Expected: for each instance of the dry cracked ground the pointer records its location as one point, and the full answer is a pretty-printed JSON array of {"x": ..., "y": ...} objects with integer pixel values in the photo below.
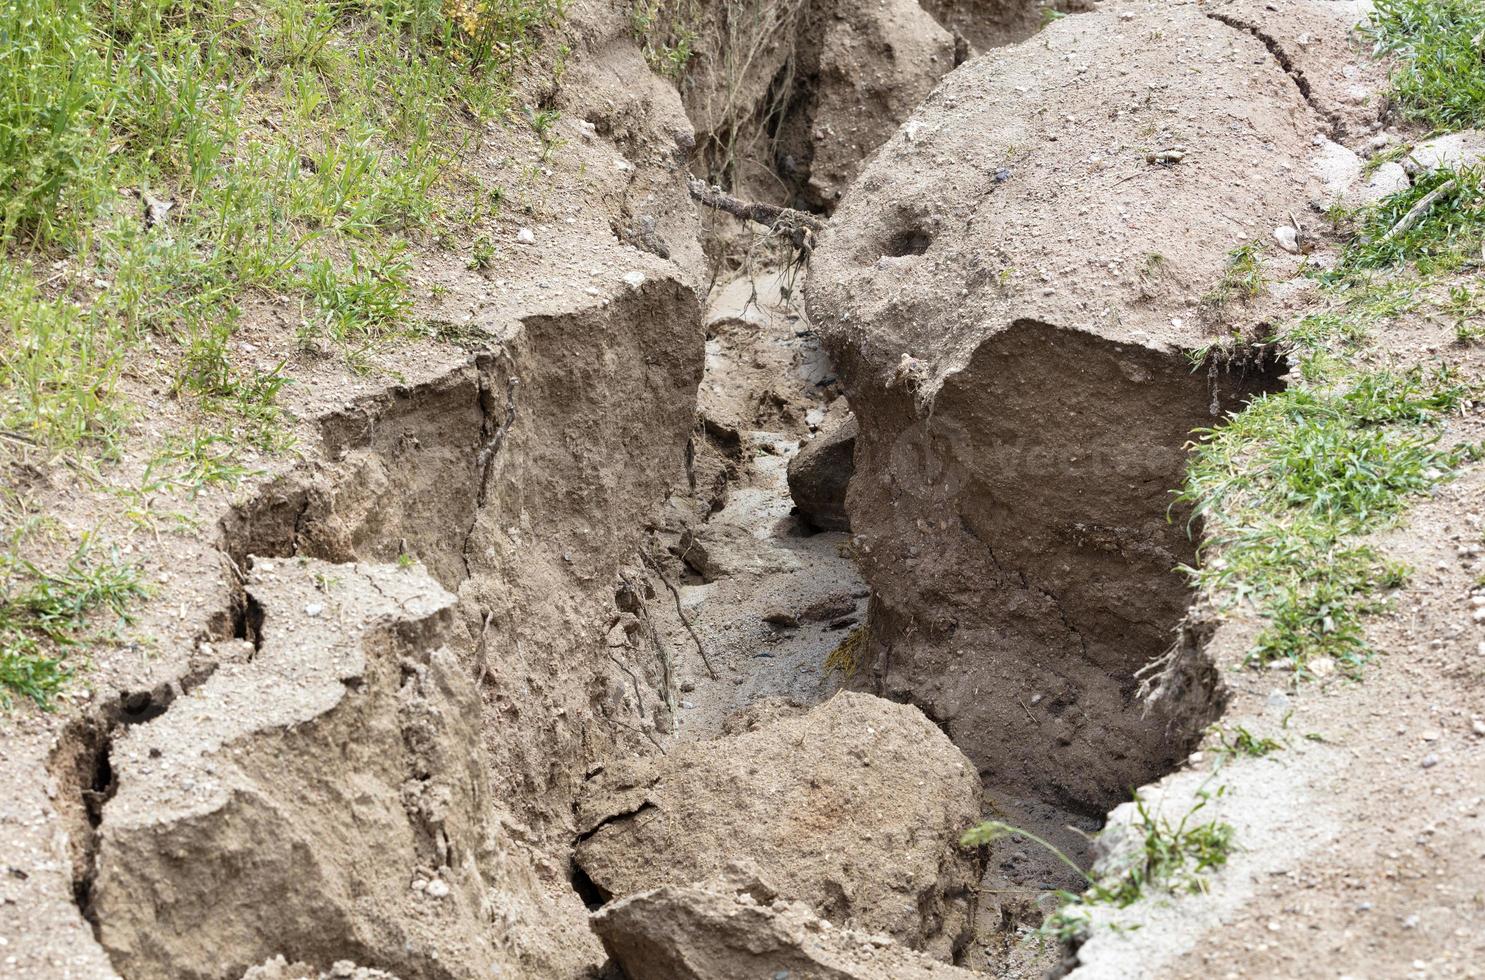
[{"x": 777, "y": 489}]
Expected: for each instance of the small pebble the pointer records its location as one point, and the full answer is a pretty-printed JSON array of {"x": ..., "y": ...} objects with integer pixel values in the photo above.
[
  {"x": 313, "y": 609},
  {"x": 438, "y": 888},
  {"x": 1430, "y": 760},
  {"x": 526, "y": 237}
]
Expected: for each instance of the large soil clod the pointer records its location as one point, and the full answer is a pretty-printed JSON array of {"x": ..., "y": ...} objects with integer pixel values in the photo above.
[
  {"x": 1017, "y": 352},
  {"x": 736, "y": 925},
  {"x": 319, "y": 798},
  {"x": 821, "y": 471},
  {"x": 854, "y": 807}
]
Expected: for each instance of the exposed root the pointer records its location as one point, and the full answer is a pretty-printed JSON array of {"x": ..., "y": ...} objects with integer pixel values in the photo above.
[
  {"x": 798, "y": 226},
  {"x": 686, "y": 622}
]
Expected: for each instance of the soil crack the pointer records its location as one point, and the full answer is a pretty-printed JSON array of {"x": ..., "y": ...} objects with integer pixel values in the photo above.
[{"x": 1287, "y": 63}]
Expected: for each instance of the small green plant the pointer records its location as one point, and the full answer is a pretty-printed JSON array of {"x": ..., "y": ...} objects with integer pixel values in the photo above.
[
  {"x": 1442, "y": 77},
  {"x": 406, "y": 561},
  {"x": 666, "y": 31},
  {"x": 544, "y": 124},
  {"x": 43, "y": 614},
  {"x": 482, "y": 255},
  {"x": 1240, "y": 741},
  {"x": 365, "y": 299},
  {"x": 194, "y": 461},
  {"x": 1171, "y": 856},
  {"x": 1167, "y": 856},
  {"x": 1242, "y": 279}
]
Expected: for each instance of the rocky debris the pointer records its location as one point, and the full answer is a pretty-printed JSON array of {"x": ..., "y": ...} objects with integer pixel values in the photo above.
[
  {"x": 1347, "y": 182},
  {"x": 862, "y": 67},
  {"x": 820, "y": 472},
  {"x": 296, "y": 801},
  {"x": 716, "y": 452},
  {"x": 734, "y": 925},
  {"x": 854, "y": 808},
  {"x": 1011, "y": 496},
  {"x": 280, "y": 968},
  {"x": 718, "y": 550},
  {"x": 1451, "y": 151}
]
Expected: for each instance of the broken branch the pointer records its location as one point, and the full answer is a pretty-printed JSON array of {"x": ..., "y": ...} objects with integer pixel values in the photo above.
[{"x": 1417, "y": 211}]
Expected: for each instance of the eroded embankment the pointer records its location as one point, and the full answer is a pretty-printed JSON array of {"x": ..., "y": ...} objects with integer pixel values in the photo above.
[
  {"x": 369, "y": 766},
  {"x": 1018, "y": 446},
  {"x": 440, "y": 630}
]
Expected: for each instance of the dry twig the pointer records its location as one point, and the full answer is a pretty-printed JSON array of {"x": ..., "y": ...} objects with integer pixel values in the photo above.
[{"x": 1417, "y": 211}]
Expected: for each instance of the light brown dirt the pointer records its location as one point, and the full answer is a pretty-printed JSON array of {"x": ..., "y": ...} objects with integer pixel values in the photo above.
[
  {"x": 321, "y": 796},
  {"x": 304, "y": 760},
  {"x": 854, "y": 808},
  {"x": 735, "y": 925}
]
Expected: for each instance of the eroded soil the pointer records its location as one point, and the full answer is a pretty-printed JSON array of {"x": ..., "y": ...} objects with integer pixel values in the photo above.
[{"x": 532, "y": 628}]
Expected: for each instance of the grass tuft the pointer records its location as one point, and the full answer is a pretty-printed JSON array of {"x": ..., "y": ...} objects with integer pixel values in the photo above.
[
  {"x": 1442, "y": 79},
  {"x": 1168, "y": 857},
  {"x": 846, "y": 657},
  {"x": 44, "y": 614},
  {"x": 1242, "y": 279}
]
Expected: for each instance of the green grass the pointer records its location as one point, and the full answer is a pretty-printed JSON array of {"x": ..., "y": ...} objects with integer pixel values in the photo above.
[
  {"x": 1447, "y": 236},
  {"x": 667, "y": 33},
  {"x": 1287, "y": 488},
  {"x": 167, "y": 166},
  {"x": 1442, "y": 79},
  {"x": 1242, "y": 278},
  {"x": 1240, "y": 741},
  {"x": 45, "y": 614},
  {"x": 293, "y": 139}
]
